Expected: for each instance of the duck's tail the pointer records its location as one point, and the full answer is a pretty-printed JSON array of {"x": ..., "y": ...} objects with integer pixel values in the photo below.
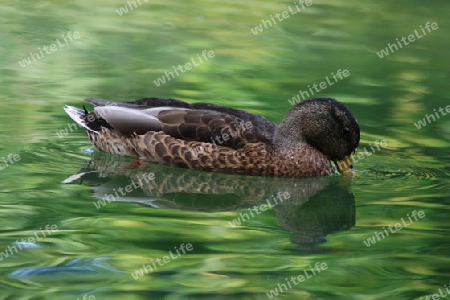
[{"x": 78, "y": 115}]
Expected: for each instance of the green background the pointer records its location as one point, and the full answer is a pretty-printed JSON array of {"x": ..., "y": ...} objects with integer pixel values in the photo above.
[{"x": 326, "y": 220}]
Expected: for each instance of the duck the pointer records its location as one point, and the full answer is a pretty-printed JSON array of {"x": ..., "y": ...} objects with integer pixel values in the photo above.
[{"x": 210, "y": 137}]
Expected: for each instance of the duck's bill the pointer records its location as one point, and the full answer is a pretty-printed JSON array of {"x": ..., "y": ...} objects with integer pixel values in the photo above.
[{"x": 345, "y": 166}]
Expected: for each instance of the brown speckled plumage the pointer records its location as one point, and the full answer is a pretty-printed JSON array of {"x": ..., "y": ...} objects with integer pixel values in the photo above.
[{"x": 186, "y": 135}]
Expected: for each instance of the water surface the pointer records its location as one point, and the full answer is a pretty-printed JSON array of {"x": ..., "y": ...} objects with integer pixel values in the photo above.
[{"x": 52, "y": 176}]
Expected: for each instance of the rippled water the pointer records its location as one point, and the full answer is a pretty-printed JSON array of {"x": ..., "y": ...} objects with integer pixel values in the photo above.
[{"x": 138, "y": 246}]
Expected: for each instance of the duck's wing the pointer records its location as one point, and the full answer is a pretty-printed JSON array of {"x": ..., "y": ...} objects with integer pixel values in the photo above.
[
  {"x": 178, "y": 121},
  {"x": 209, "y": 127},
  {"x": 202, "y": 122},
  {"x": 265, "y": 127}
]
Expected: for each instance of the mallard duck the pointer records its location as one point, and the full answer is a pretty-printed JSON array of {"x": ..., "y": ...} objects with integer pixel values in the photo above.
[{"x": 210, "y": 137}]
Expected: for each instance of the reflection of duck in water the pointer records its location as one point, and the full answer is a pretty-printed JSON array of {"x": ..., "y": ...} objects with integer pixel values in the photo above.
[
  {"x": 311, "y": 208},
  {"x": 329, "y": 211},
  {"x": 176, "y": 133}
]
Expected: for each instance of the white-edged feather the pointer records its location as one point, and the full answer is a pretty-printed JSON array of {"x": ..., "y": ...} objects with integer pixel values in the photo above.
[
  {"x": 129, "y": 120},
  {"x": 77, "y": 115},
  {"x": 74, "y": 177},
  {"x": 154, "y": 111}
]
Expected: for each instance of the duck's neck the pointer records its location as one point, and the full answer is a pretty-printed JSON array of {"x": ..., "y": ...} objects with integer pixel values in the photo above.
[{"x": 288, "y": 134}]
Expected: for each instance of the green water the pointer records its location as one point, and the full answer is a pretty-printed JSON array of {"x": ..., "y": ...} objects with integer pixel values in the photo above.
[{"x": 94, "y": 252}]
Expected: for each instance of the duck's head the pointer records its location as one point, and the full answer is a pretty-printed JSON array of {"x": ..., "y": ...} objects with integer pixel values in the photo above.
[{"x": 325, "y": 124}]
